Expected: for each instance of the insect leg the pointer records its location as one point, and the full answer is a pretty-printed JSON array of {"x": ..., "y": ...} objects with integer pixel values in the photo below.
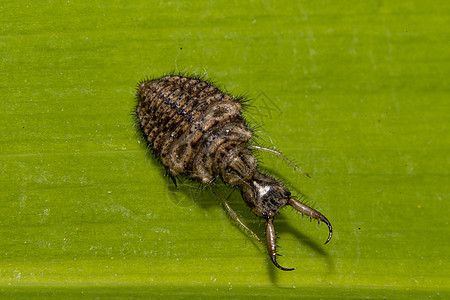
[
  {"x": 232, "y": 213},
  {"x": 312, "y": 213},
  {"x": 274, "y": 152},
  {"x": 272, "y": 244},
  {"x": 171, "y": 176}
]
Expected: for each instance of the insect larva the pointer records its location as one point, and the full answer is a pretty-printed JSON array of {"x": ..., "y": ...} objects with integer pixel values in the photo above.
[{"x": 198, "y": 131}]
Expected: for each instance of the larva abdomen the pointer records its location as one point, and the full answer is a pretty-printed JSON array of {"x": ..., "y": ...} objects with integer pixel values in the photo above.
[{"x": 182, "y": 119}]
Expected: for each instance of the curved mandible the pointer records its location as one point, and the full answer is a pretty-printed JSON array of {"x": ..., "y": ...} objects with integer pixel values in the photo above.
[
  {"x": 312, "y": 213},
  {"x": 272, "y": 244}
]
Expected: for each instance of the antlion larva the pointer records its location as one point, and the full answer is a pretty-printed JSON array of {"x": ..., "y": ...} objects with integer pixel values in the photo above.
[{"x": 198, "y": 131}]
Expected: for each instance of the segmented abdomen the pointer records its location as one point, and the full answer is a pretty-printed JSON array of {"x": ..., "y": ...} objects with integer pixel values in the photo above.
[{"x": 191, "y": 125}]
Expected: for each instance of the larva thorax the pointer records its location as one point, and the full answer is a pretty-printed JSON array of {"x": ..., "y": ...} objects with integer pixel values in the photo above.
[{"x": 198, "y": 131}]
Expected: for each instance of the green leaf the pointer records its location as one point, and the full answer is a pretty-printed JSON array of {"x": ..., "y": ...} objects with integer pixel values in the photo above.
[{"x": 356, "y": 92}]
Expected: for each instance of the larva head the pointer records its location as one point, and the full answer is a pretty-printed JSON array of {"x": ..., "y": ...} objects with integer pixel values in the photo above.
[{"x": 266, "y": 196}]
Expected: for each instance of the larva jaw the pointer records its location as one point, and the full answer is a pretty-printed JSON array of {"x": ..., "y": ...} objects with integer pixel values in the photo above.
[
  {"x": 312, "y": 213},
  {"x": 272, "y": 244},
  {"x": 271, "y": 234}
]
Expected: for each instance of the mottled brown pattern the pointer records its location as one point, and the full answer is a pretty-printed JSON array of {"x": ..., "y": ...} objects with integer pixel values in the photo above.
[
  {"x": 191, "y": 125},
  {"x": 198, "y": 131}
]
